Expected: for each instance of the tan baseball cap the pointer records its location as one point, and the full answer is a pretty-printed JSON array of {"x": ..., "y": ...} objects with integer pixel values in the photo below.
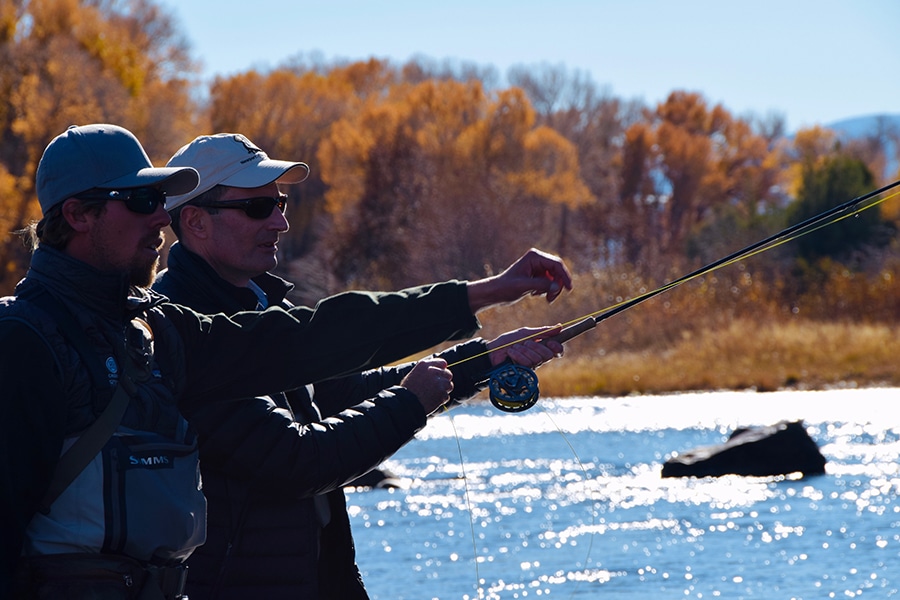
[{"x": 233, "y": 160}]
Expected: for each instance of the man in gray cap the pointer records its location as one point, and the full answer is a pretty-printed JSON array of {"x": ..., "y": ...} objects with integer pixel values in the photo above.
[
  {"x": 272, "y": 466},
  {"x": 99, "y": 481}
]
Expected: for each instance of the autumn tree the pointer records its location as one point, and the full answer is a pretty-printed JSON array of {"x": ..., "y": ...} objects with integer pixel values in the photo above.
[
  {"x": 638, "y": 201},
  {"x": 440, "y": 179},
  {"x": 287, "y": 113},
  {"x": 420, "y": 69},
  {"x": 68, "y": 62},
  {"x": 686, "y": 139},
  {"x": 687, "y": 163},
  {"x": 593, "y": 121}
]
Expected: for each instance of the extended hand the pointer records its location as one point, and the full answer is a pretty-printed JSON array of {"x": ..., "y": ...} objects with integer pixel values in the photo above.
[
  {"x": 431, "y": 381},
  {"x": 537, "y": 348},
  {"x": 536, "y": 273}
]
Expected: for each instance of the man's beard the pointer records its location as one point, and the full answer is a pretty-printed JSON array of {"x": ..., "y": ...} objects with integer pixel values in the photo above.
[
  {"x": 143, "y": 275},
  {"x": 140, "y": 274}
]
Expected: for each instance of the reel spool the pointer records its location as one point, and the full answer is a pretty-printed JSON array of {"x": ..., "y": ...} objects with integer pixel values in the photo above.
[{"x": 513, "y": 388}]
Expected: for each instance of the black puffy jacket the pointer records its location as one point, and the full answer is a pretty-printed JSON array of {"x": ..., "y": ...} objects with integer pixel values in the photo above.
[
  {"x": 264, "y": 460},
  {"x": 202, "y": 360}
]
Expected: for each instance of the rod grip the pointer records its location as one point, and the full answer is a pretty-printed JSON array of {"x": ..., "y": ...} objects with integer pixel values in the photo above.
[{"x": 578, "y": 328}]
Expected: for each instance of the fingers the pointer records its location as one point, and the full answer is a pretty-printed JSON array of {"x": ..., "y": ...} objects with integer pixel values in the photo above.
[
  {"x": 528, "y": 346},
  {"x": 553, "y": 291},
  {"x": 536, "y": 273},
  {"x": 431, "y": 381},
  {"x": 533, "y": 354},
  {"x": 524, "y": 333},
  {"x": 540, "y": 265},
  {"x": 555, "y": 347}
]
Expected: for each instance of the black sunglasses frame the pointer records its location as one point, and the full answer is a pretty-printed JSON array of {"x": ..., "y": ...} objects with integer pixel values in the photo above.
[
  {"x": 142, "y": 201},
  {"x": 258, "y": 207}
]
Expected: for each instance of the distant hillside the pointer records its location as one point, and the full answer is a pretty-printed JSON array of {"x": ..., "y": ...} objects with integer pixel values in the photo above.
[
  {"x": 887, "y": 125},
  {"x": 860, "y": 126}
]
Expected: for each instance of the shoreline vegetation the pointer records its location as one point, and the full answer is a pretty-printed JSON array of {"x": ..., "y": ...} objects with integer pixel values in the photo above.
[
  {"x": 747, "y": 355},
  {"x": 843, "y": 333},
  {"x": 424, "y": 172}
]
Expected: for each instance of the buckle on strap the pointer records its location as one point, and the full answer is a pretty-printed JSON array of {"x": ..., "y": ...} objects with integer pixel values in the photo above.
[
  {"x": 171, "y": 580},
  {"x": 148, "y": 582}
]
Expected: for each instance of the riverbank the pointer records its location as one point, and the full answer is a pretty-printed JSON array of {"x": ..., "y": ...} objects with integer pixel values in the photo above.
[{"x": 744, "y": 355}]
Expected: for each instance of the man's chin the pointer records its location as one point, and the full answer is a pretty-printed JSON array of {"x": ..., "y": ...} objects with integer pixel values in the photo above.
[{"x": 144, "y": 275}]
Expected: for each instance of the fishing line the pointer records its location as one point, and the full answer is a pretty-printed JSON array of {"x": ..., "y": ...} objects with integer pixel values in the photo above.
[
  {"x": 462, "y": 468},
  {"x": 590, "y": 495}
]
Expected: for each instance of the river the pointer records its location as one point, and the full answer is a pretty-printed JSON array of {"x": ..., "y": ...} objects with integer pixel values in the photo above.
[{"x": 566, "y": 501}]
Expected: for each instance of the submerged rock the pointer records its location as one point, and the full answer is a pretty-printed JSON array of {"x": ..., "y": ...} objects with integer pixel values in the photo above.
[
  {"x": 377, "y": 478},
  {"x": 778, "y": 449}
]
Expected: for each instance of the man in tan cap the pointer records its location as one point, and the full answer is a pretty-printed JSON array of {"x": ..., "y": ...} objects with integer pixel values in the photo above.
[
  {"x": 273, "y": 466},
  {"x": 99, "y": 485}
]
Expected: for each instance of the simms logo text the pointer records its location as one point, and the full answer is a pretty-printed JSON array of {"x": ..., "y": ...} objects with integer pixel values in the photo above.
[{"x": 150, "y": 462}]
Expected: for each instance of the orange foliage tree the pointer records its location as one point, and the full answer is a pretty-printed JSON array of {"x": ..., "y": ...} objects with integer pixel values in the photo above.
[
  {"x": 440, "y": 179},
  {"x": 68, "y": 62},
  {"x": 288, "y": 112},
  {"x": 593, "y": 121},
  {"x": 686, "y": 163}
]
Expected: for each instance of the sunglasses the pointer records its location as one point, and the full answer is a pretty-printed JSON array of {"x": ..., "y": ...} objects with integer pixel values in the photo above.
[
  {"x": 142, "y": 200},
  {"x": 259, "y": 207}
]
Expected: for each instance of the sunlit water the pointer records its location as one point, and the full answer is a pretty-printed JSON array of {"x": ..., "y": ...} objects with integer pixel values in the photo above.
[{"x": 585, "y": 514}]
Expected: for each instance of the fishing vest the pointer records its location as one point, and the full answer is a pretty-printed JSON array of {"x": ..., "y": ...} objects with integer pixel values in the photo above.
[{"x": 140, "y": 496}]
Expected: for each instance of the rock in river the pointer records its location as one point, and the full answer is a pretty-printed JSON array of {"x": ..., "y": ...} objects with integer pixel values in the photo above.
[{"x": 778, "y": 449}]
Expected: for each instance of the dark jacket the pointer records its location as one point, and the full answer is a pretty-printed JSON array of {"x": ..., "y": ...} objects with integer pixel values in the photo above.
[
  {"x": 198, "y": 360},
  {"x": 265, "y": 459}
]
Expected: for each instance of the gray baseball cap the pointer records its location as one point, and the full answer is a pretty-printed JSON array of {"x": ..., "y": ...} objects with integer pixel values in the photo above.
[
  {"x": 102, "y": 156},
  {"x": 233, "y": 160}
]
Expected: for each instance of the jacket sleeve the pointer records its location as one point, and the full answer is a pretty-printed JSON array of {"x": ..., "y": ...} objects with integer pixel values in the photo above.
[
  {"x": 468, "y": 361},
  {"x": 252, "y": 353},
  {"x": 368, "y": 418},
  {"x": 32, "y": 426},
  {"x": 254, "y": 440}
]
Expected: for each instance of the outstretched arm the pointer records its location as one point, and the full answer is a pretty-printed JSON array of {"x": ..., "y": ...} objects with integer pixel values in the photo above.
[
  {"x": 254, "y": 439},
  {"x": 471, "y": 363}
]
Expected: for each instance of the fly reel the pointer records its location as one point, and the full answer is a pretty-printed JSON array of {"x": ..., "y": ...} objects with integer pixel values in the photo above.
[{"x": 513, "y": 388}]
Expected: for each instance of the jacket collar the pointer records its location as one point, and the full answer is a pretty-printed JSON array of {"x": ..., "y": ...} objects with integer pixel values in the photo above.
[
  {"x": 79, "y": 284},
  {"x": 209, "y": 292}
]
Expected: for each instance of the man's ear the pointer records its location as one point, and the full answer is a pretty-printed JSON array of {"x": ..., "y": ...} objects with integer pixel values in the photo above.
[
  {"x": 75, "y": 213},
  {"x": 194, "y": 221}
]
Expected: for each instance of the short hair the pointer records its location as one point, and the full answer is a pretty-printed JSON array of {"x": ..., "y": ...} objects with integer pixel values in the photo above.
[
  {"x": 213, "y": 194},
  {"x": 53, "y": 229}
]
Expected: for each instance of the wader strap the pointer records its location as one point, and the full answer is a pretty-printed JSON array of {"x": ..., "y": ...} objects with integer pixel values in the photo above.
[{"x": 86, "y": 447}]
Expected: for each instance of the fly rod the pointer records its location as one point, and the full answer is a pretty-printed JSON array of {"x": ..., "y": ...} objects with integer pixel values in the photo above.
[{"x": 514, "y": 388}]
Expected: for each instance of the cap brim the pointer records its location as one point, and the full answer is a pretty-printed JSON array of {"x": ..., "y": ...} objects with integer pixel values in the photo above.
[
  {"x": 174, "y": 181},
  {"x": 266, "y": 171}
]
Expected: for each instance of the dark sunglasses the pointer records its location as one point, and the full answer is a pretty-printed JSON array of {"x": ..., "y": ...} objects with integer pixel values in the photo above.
[
  {"x": 259, "y": 207},
  {"x": 142, "y": 200}
]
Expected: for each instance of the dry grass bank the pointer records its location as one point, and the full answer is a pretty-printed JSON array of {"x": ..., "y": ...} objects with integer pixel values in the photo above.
[
  {"x": 736, "y": 329},
  {"x": 744, "y": 355}
]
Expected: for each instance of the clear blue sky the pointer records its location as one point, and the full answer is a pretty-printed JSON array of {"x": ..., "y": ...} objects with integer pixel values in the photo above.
[{"x": 811, "y": 61}]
